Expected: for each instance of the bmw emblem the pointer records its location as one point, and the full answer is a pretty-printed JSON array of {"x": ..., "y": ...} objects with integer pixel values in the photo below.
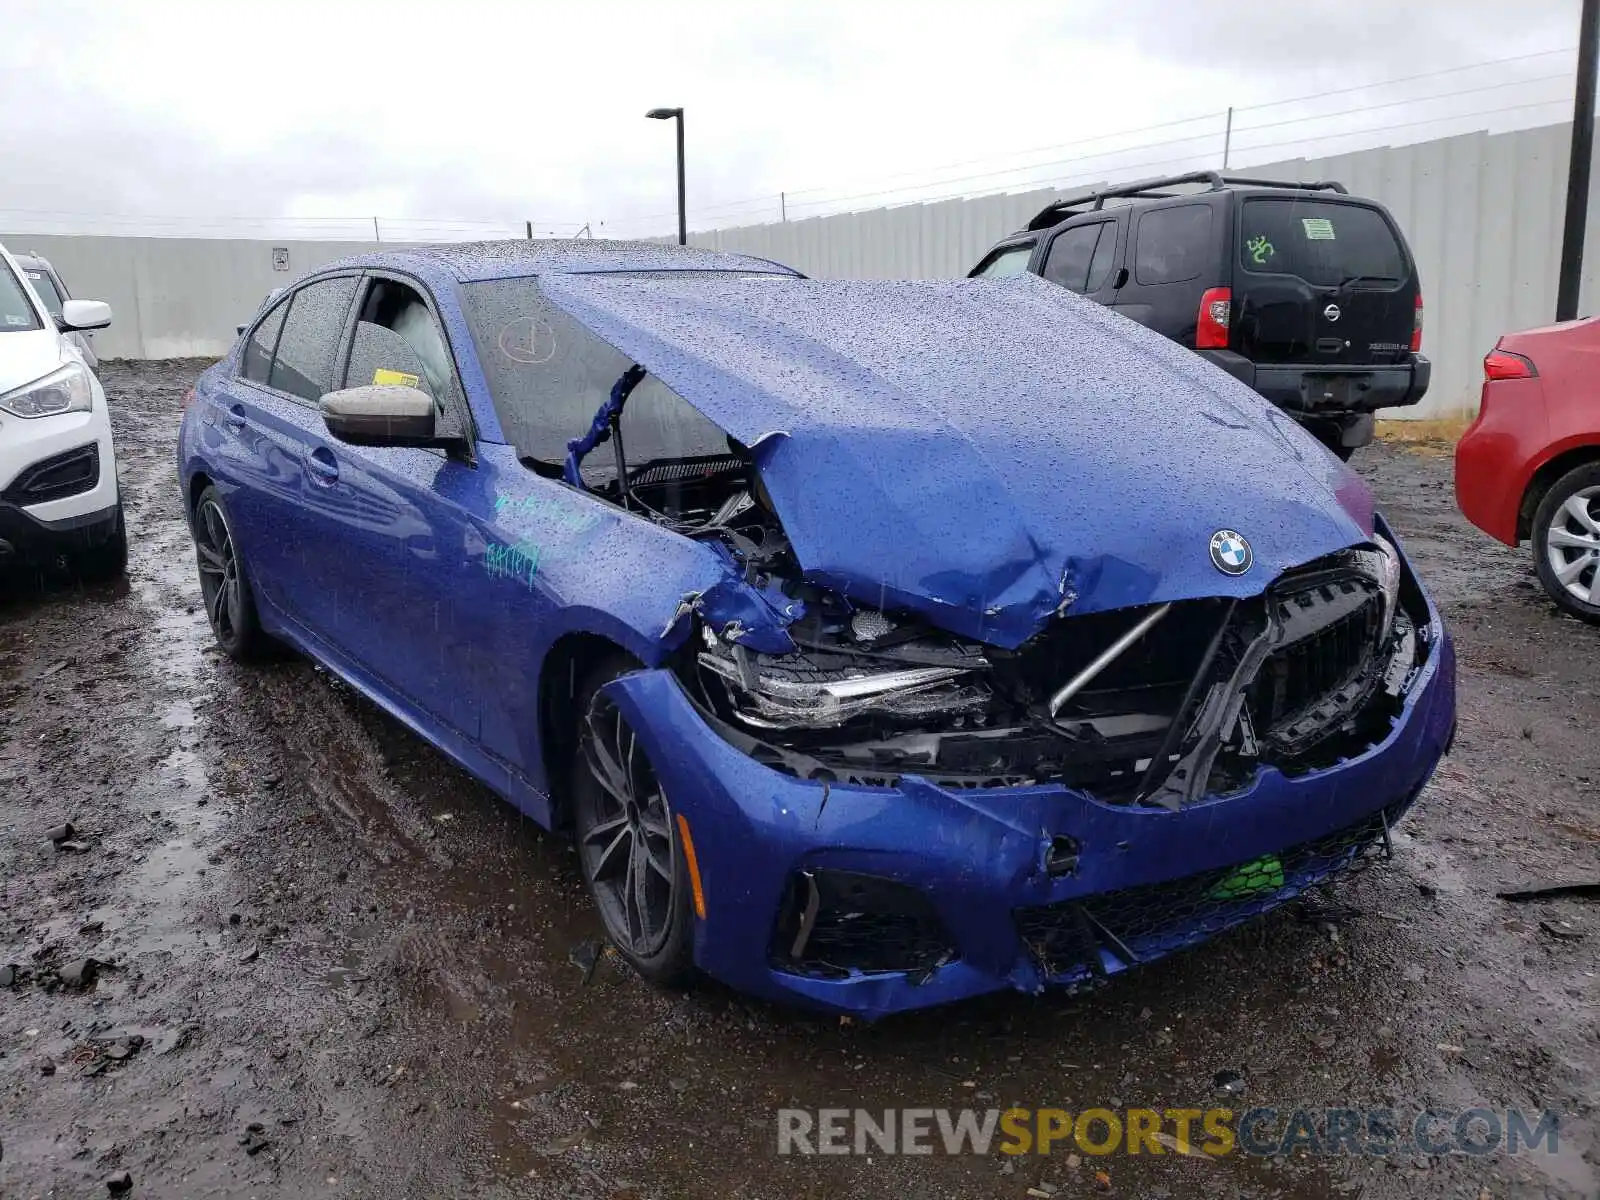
[{"x": 1230, "y": 553}]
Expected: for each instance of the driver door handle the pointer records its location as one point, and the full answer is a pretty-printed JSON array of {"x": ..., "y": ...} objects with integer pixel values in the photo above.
[{"x": 323, "y": 466}]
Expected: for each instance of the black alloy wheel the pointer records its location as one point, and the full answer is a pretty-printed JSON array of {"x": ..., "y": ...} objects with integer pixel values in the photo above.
[
  {"x": 628, "y": 844},
  {"x": 224, "y": 586}
]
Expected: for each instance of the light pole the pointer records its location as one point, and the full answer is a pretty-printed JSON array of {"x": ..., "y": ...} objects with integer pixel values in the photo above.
[
  {"x": 663, "y": 114},
  {"x": 1572, "y": 229}
]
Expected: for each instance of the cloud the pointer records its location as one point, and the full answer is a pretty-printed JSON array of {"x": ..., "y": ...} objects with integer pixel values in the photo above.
[{"x": 477, "y": 111}]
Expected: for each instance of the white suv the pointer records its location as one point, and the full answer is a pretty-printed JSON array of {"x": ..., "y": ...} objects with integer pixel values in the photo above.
[{"x": 58, "y": 472}]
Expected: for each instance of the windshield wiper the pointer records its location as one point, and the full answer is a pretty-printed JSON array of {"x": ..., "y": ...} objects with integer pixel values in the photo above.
[{"x": 1346, "y": 282}]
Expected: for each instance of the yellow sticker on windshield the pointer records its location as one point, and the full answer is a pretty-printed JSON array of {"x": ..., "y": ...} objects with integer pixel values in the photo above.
[{"x": 387, "y": 378}]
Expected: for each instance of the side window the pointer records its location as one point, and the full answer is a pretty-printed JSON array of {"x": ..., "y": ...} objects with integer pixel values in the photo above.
[
  {"x": 303, "y": 365},
  {"x": 1070, "y": 255},
  {"x": 1013, "y": 260},
  {"x": 1173, "y": 245},
  {"x": 1105, "y": 253},
  {"x": 263, "y": 344},
  {"x": 398, "y": 341}
]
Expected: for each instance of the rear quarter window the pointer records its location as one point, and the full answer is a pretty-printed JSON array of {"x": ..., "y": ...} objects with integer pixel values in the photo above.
[
  {"x": 46, "y": 287},
  {"x": 1013, "y": 260},
  {"x": 1324, "y": 242},
  {"x": 1173, "y": 244}
]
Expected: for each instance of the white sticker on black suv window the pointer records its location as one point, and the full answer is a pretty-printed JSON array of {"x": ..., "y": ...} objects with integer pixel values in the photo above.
[{"x": 1318, "y": 229}]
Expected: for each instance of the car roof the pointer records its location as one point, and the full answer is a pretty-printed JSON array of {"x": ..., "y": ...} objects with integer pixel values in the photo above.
[{"x": 470, "y": 262}]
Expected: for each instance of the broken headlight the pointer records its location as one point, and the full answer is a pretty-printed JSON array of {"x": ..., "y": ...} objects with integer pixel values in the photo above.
[
  {"x": 822, "y": 689},
  {"x": 1385, "y": 567}
]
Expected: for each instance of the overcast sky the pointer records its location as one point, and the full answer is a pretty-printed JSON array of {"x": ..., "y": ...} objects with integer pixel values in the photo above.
[{"x": 166, "y": 117}]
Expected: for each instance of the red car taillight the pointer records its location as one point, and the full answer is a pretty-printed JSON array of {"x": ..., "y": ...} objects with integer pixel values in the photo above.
[
  {"x": 1502, "y": 364},
  {"x": 1211, "y": 325},
  {"x": 1416, "y": 326}
]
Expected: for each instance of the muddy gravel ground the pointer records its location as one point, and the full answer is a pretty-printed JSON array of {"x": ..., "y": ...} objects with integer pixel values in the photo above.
[{"x": 333, "y": 965}]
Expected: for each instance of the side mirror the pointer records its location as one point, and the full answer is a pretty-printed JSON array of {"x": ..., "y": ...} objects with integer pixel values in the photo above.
[
  {"x": 1121, "y": 278},
  {"x": 383, "y": 415},
  {"x": 84, "y": 314}
]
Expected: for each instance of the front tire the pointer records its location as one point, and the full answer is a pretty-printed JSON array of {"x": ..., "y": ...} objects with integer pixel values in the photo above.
[
  {"x": 1566, "y": 542},
  {"x": 225, "y": 584},
  {"x": 627, "y": 839}
]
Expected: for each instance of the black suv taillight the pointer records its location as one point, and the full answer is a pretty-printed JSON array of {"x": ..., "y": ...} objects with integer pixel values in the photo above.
[{"x": 1211, "y": 323}]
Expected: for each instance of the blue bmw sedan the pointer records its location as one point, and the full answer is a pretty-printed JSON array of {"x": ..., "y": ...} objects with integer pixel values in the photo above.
[{"x": 878, "y": 643}]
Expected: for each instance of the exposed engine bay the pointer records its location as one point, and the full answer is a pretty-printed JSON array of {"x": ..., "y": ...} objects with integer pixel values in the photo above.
[{"x": 1161, "y": 704}]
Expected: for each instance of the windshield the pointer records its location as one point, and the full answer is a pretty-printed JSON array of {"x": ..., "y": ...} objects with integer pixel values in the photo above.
[
  {"x": 16, "y": 314},
  {"x": 46, "y": 287},
  {"x": 548, "y": 376},
  {"x": 1324, "y": 242}
]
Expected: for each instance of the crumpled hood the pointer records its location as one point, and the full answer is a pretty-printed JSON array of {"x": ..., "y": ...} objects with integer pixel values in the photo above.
[
  {"x": 26, "y": 355},
  {"x": 985, "y": 452}
]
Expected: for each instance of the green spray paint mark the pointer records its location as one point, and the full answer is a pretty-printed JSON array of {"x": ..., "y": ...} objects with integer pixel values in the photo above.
[
  {"x": 1261, "y": 250},
  {"x": 519, "y": 562},
  {"x": 1251, "y": 879},
  {"x": 546, "y": 510}
]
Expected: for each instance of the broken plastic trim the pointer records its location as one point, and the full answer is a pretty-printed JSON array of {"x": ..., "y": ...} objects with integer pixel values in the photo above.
[
  {"x": 604, "y": 425},
  {"x": 1106, "y": 657}
]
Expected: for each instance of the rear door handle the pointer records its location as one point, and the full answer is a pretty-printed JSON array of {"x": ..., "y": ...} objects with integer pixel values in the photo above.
[
  {"x": 235, "y": 419},
  {"x": 323, "y": 466}
]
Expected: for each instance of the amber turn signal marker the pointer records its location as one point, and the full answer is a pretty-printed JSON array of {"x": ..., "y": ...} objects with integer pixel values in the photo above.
[{"x": 694, "y": 868}]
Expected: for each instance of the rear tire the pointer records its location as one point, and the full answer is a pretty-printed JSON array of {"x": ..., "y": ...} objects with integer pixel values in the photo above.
[
  {"x": 627, "y": 838},
  {"x": 109, "y": 559},
  {"x": 1566, "y": 542},
  {"x": 225, "y": 583}
]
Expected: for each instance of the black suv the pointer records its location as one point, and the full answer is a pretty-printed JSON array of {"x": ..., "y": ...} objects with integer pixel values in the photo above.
[{"x": 1306, "y": 293}]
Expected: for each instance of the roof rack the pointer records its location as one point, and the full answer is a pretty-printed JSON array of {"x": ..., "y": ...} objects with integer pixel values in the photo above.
[{"x": 1148, "y": 189}]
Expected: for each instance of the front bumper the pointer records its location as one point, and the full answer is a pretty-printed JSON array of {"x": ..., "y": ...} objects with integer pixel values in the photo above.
[
  {"x": 980, "y": 856},
  {"x": 29, "y": 446},
  {"x": 25, "y": 538}
]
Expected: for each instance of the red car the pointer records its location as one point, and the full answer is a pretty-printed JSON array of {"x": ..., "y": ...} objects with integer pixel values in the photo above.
[{"x": 1529, "y": 466}]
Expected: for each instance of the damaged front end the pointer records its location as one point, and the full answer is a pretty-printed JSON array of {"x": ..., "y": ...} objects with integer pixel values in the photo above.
[
  {"x": 1159, "y": 704},
  {"x": 1162, "y": 704},
  {"x": 950, "y": 815},
  {"x": 1201, "y": 700}
]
